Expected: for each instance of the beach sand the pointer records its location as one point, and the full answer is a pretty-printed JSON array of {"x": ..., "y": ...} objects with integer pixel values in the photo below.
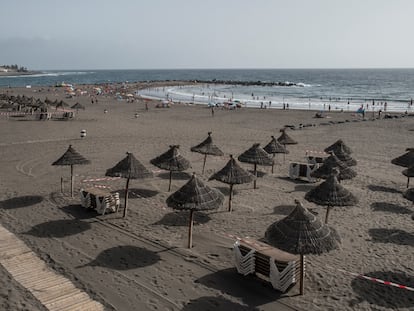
[{"x": 142, "y": 263}]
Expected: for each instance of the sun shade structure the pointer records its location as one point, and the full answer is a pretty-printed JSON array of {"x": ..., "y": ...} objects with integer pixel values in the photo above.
[
  {"x": 129, "y": 168},
  {"x": 406, "y": 160},
  {"x": 195, "y": 196},
  {"x": 330, "y": 193},
  {"x": 285, "y": 139},
  {"x": 171, "y": 161},
  {"x": 409, "y": 172},
  {"x": 207, "y": 147},
  {"x": 330, "y": 163},
  {"x": 274, "y": 147},
  {"x": 233, "y": 174},
  {"x": 257, "y": 156},
  {"x": 71, "y": 157},
  {"x": 78, "y": 106},
  {"x": 338, "y": 144},
  {"x": 344, "y": 156},
  {"x": 302, "y": 233}
]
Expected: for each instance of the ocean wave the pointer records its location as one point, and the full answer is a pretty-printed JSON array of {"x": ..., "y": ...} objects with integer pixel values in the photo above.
[{"x": 49, "y": 74}]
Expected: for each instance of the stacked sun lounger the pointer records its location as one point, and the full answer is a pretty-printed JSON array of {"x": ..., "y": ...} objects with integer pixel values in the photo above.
[
  {"x": 281, "y": 269},
  {"x": 302, "y": 170},
  {"x": 100, "y": 200}
]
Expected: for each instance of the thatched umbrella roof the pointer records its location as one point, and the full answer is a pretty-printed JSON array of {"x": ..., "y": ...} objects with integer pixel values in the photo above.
[
  {"x": 78, "y": 106},
  {"x": 71, "y": 157},
  {"x": 61, "y": 104},
  {"x": 344, "y": 156},
  {"x": 275, "y": 147},
  {"x": 409, "y": 194},
  {"x": 232, "y": 173},
  {"x": 302, "y": 233},
  {"x": 331, "y": 193},
  {"x": 331, "y": 162},
  {"x": 406, "y": 160},
  {"x": 207, "y": 147},
  {"x": 339, "y": 143},
  {"x": 257, "y": 156},
  {"x": 195, "y": 196},
  {"x": 285, "y": 139},
  {"x": 171, "y": 160},
  {"x": 129, "y": 168}
]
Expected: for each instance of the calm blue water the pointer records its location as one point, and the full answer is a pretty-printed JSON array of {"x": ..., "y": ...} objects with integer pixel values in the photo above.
[{"x": 328, "y": 86}]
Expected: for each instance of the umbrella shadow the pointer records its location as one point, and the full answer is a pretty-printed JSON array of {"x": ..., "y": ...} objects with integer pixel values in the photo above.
[
  {"x": 283, "y": 209},
  {"x": 384, "y": 295},
  {"x": 258, "y": 173},
  {"x": 137, "y": 193},
  {"x": 59, "y": 228},
  {"x": 251, "y": 290},
  {"x": 180, "y": 219},
  {"x": 395, "y": 236},
  {"x": 304, "y": 188},
  {"x": 209, "y": 303},
  {"x": 390, "y": 207},
  {"x": 295, "y": 181},
  {"x": 383, "y": 189},
  {"x": 124, "y": 257},
  {"x": 23, "y": 201},
  {"x": 175, "y": 175},
  {"x": 79, "y": 212}
]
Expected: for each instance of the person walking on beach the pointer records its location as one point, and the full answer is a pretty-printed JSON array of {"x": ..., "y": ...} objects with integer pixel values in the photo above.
[{"x": 212, "y": 111}]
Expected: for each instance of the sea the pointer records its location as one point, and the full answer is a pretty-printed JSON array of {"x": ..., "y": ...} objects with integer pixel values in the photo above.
[{"x": 314, "y": 89}]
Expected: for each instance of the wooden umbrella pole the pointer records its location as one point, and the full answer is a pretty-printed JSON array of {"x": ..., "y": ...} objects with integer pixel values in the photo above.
[
  {"x": 61, "y": 184},
  {"x": 204, "y": 163},
  {"x": 190, "y": 230},
  {"x": 408, "y": 181},
  {"x": 169, "y": 185},
  {"x": 71, "y": 181},
  {"x": 230, "y": 195},
  {"x": 273, "y": 163},
  {"x": 284, "y": 154},
  {"x": 255, "y": 174},
  {"x": 302, "y": 274},
  {"x": 126, "y": 197},
  {"x": 328, "y": 208}
]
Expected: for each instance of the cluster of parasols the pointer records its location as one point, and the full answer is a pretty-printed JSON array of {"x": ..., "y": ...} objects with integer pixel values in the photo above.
[{"x": 23, "y": 102}]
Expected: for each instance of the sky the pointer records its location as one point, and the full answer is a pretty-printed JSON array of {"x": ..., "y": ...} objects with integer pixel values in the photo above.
[{"x": 184, "y": 34}]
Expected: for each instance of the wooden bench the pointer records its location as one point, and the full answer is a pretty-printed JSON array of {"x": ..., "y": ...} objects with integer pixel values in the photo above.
[{"x": 280, "y": 268}]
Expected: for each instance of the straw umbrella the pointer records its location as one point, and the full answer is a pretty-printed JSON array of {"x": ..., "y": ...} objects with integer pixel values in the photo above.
[
  {"x": 406, "y": 160},
  {"x": 331, "y": 193},
  {"x": 171, "y": 160},
  {"x": 129, "y": 168},
  {"x": 232, "y": 174},
  {"x": 336, "y": 145},
  {"x": 256, "y": 155},
  {"x": 274, "y": 147},
  {"x": 195, "y": 196},
  {"x": 285, "y": 139},
  {"x": 207, "y": 147},
  {"x": 344, "y": 156},
  {"x": 302, "y": 233},
  {"x": 331, "y": 162},
  {"x": 71, "y": 157},
  {"x": 78, "y": 106}
]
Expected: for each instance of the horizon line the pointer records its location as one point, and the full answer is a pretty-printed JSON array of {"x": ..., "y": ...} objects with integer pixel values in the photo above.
[{"x": 223, "y": 68}]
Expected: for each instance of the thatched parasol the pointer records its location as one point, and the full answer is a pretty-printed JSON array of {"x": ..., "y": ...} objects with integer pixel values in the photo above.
[
  {"x": 344, "y": 156},
  {"x": 285, "y": 139},
  {"x": 171, "y": 161},
  {"x": 78, "y": 106},
  {"x": 302, "y": 233},
  {"x": 207, "y": 147},
  {"x": 232, "y": 174},
  {"x": 409, "y": 172},
  {"x": 71, "y": 157},
  {"x": 257, "y": 156},
  {"x": 129, "y": 168},
  {"x": 331, "y": 162},
  {"x": 274, "y": 147},
  {"x": 406, "y": 160},
  {"x": 195, "y": 196},
  {"x": 339, "y": 143},
  {"x": 331, "y": 193}
]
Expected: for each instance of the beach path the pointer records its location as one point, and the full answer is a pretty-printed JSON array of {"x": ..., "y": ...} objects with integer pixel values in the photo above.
[{"x": 54, "y": 291}]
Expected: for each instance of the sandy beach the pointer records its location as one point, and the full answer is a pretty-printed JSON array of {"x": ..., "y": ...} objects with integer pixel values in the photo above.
[{"x": 142, "y": 263}]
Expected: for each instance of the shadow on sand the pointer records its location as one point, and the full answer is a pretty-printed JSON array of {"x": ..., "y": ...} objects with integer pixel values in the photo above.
[
  {"x": 384, "y": 295},
  {"x": 251, "y": 290},
  {"x": 59, "y": 228},
  {"x": 79, "y": 212},
  {"x": 181, "y": 219},
  {"x": 137, "y": 193},
  {"x": 395, "y": 236},
  {"x": 305, "y": 188},
  {"x": 22, "y": 201},
  {"x": 390, "y": 207},
  {"x": 214, "y": 303},
  {"x": 383, "y": 189},
  {"x": 124, "y": 257},
  {"x": 283, "y": 209},
  {"x": 175, "y": 175}
]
